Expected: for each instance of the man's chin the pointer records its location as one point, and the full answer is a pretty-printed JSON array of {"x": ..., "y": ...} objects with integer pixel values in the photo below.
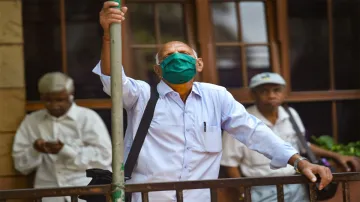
[
  {"x": 56, "y": 114},
  {"x": 272, "y": 105}
]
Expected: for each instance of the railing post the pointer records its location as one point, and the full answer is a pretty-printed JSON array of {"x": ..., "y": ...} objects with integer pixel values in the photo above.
[
  {"x": 214, "y": 194},
  {"x": 280, "y": 192},
  {"x": 118, "y": 184},
  {"x": 108, "y": 197},
  {"x": 145, "y": 196},
  {"x": 346, "y": 192},
  {"x": 247, "y": 194},
  {"x": 313, "y": 195},
  {"x": 74, "y": 199},
  {"x": 179, "y": 196}
]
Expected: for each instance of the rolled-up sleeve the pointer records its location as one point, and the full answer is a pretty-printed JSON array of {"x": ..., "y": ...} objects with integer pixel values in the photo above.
[
  {"x": 132, "y": 88},
  {"x": 253, "y": 133}
]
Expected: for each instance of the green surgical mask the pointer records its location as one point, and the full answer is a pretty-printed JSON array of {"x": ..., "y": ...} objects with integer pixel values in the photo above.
[{"x": 178, "y": 68}]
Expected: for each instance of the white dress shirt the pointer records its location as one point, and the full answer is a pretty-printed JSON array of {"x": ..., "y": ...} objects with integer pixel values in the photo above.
[
  {"x": 86, "y": 145},
  {"x": 184, "y": 139},
  {"x": 252, "y": 163}
]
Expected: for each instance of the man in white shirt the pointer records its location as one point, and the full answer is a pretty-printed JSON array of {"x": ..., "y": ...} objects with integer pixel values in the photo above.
[
  {"x": 268, "y": 92},
  {"x": 61, "y": 141},
  {"x": 184, "y": 138}
]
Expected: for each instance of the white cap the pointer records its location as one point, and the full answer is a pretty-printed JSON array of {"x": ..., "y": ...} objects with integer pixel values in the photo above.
[
  {"x": 55, "y": 82},
  {"x": 266, "y": 78}
]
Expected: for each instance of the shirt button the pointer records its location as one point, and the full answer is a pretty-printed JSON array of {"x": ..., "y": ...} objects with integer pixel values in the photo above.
[
  {"x": 188, "y": 148},
  {"x": 188, "y": 130}
]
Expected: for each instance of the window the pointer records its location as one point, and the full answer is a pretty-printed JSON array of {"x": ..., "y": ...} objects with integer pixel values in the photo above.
[
  {"x": 324, "y": 44},
  {"x": 57, "y": 35},
  {"x": 151, "y": 25},
  {"x": 323, "y": 51},
  {"x": 65, "y": 35},
  {"x": 346, "y": 43},
  {"x": 241, "y": 41},
  {"x": 309, "y": 42},
  {"x": 348, "y": 119},
  {"x": 316, "y": 117},
  {"x": 42, "y": 52},
  {"x": 82, "y": 34}
]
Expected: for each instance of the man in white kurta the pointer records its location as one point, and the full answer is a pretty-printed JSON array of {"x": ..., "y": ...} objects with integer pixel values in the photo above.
[{"x": 61, "y": 141}]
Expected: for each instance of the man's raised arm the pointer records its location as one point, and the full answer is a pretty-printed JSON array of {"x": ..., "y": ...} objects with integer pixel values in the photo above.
[{"x": 132, "y": 89}]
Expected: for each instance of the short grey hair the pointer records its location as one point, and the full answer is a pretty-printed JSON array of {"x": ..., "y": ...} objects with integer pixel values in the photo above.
[
  {"x": 55, "y": 82},
  {"x": 157, "y": 56}
]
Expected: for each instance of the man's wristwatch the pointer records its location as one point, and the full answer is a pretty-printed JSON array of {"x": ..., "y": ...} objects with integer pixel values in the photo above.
[{"x": 297, "y": 162}]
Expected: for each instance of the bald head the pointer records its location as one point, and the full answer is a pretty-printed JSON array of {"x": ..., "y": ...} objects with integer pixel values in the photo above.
[{"x": 172, "y": 47}]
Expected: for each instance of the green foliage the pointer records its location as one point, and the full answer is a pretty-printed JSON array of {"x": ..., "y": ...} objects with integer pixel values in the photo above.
[{"x": 327, "y": 142}]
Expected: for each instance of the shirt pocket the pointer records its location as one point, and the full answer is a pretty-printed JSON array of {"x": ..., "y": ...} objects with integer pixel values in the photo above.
[{"x": 211, "y": 139}]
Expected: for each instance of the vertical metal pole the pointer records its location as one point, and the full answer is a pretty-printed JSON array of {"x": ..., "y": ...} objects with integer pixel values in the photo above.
[{"x": 118, "y": 184}]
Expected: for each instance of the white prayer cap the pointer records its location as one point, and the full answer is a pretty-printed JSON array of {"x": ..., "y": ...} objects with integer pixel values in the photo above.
[{"x": 55, "y": 82}]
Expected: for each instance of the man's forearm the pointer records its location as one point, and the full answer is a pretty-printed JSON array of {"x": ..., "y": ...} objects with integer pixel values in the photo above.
[
  {"x": 293, "y": 159},
  {"x": 105, "y": 54},
  {"x": 232, "y": 172},
  {"x": 301, "y": 164},
  {"x": 322, "y": 152}
]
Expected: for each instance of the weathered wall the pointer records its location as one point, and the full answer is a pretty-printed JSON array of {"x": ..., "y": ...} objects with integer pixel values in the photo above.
[{"x": 12, "y": 89}]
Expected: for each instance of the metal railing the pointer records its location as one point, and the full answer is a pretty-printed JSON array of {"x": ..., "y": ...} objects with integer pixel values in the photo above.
[{"x": 179, "y": 186}]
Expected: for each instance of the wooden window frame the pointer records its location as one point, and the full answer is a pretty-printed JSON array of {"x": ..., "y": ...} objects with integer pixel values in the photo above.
[
  {"x": 188, "y": 13},
  {"x": 127, "y": 47},
  {"x": 278, "y": 43},
  {"x": 332, "y": 95},
  {"x": 269, "y": 16}
]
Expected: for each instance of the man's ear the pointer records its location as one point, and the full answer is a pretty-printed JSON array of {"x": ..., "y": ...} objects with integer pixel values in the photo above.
[
  {"x": 199, "y": 65},
  {"x": 158, "y": 71}
]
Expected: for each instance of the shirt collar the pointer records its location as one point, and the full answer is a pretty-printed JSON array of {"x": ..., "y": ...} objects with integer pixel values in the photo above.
[
  {"x": 282, "y": 115},
  {"x": 71, "y": 113},
  {"x": 164, "y": 89}
]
